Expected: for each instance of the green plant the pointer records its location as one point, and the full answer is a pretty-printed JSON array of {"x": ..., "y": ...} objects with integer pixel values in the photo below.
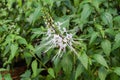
[{"x": 61, "y": 39}]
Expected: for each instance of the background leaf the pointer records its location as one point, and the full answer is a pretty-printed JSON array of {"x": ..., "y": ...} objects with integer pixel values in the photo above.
[
  {"x": 13, "y": 48},
  {"x": 117, "y": 41},
  {"x": 102, "y": 73},
  {"x": 21, "y": 40},
  {"x": 84, "y": 60},
  {"x": 96, "y": 4},
  {"x": 79, "y": 70},
  {"x": 7, "y": 77},
  {"x": 94, "y": 25},
  {"x": 51, "y": 72},
  {"x": 93, "y": 37},
  {"x": 66, "y": 64},
  {"x": 106, "y": 46},
  {"x": 0, "y": 76},
  {"x": 99, "y": 58},
  {"x": 34, "y": 68},
  {"x": 33, "y": 17},
  {"x": 107, "y": 19},
  {"x": 117, "y": 70},
  {"x": 85, "y": 12}
]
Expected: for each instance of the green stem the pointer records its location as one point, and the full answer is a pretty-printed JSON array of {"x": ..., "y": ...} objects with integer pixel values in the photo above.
[
  {"x": 39, "y": 61},
  {"x": 47, "y": 18}
]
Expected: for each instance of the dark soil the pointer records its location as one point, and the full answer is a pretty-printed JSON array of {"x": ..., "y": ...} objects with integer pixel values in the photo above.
[{"x": 17, "y": 69}]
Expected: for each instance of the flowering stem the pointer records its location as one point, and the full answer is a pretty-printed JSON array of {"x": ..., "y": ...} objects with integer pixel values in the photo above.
[
  {"x": 50, "y": 22},
  {"x": 38, "y": 60}
]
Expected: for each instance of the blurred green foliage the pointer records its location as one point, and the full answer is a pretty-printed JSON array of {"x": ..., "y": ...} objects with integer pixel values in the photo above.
[{"x": 93, "y": 23}]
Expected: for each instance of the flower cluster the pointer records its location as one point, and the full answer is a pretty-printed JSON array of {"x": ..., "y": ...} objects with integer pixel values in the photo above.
[
  {"x": 57, "y": 37},
  {"x": 60, "y": 41}
]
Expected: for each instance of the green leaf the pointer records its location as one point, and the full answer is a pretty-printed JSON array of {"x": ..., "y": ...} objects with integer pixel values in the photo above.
[
  {"x": 19, "y": 2},
  {"x": 76, "y": 3},
  {"x": 48, "y": 77},
  {"x": 51, "y": 72},
  {"x": 21, "y": 40},
  {"x": 117, "y": 41},
  {"x": 38, "y": 31},
  {"x": 34, "y": 68},
  {"x": 49, "y": 2},
  {"x": 57, "y": 65},
  {"x": 84, "y": 60},
  {"x": 117, "y": 21},
  {"x": 110, "y": 31},
  {"x": 0, "y": 76},
  {"x": 13, "y": 48},
  {"x": 66, "y": 64},
  {"x": 27, "y": 74},
  {"x": 7, "y": 77},
  {"x": 117, "y": 71},
  {"x": 86, "y": 12},
  {"x": 84, "y": 15},
  {"x": 99, "y": 58},
  {"x": 79, "y": 70},
  {"x": 33, "y": 17},
  {"x": 113, "y": 76},
  {"x": 96, "y": 4},
  {"x": 117, "y": 37},
  {"x": 7, "y": 49},
  {"x": 28, "y": 55},
  {"x": 100, "y": 29},
  {"x": 107, "y": 19},
  {"x": 10, "y": 3},
  {"x": 106, "y": 46},
  {"x": 30, "y": 47},
  {"x": 65, "y": 23},
  {"x": 102, "y": 73},
  {"x": 93, "y": 37},
  {"x": 2, "y": 69},
  {"x": 9, "y": 39}
]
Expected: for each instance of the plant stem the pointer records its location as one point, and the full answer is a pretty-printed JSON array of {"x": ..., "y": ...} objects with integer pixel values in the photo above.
[{"x": 39, "y": 61}]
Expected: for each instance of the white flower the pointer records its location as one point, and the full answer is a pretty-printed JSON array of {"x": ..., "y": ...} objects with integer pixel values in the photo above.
[
  {"x": 58, "y": 23},
  {"x": 56, "y": 40},
  {"x": 69, "y": 36},
  {"x": 49, "y": 33},
  {"x": 64, "y": 29},
  {"x": 61, "y": 40}
]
